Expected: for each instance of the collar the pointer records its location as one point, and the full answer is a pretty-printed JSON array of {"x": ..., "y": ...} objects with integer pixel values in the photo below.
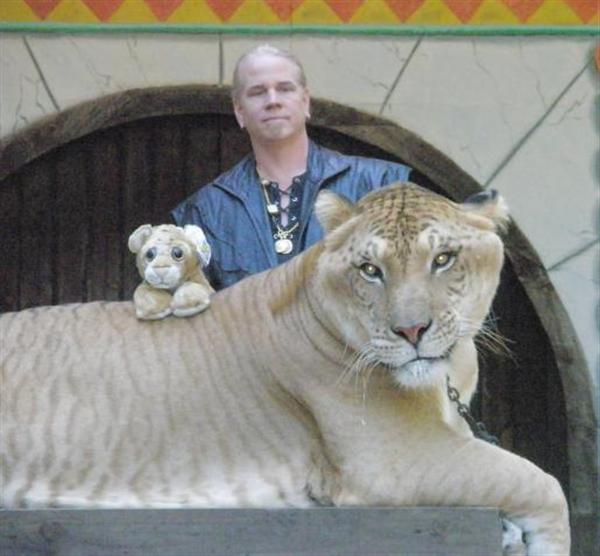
[{"x": 322, "y": 164}]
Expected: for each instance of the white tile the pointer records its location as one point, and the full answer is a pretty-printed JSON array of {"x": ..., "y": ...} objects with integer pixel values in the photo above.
[
  {"x": 23, "y": 98},
  {"x": 474, "y": 99},
  {"x": 551, "y": 184},
  {"x": 80, "y": 67},
  {"x": 353, "y": 71},
  {"x": 174, "y": 60},
  {"x": 578, "y": 285}
]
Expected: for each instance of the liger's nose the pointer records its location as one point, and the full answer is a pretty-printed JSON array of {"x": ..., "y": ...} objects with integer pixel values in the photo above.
[{"x": 412, "y": 333}]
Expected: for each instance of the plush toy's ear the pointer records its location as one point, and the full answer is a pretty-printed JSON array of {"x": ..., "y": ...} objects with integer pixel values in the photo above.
[
  {"x": 139, "y": 237},
  {"x": 333, "y": 210},
  {"x": 196, "y": 235},
  {"x": 490, "y": 206}
]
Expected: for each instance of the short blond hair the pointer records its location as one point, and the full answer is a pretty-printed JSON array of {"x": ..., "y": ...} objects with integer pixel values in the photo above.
[{"x": 264, "y": 50}]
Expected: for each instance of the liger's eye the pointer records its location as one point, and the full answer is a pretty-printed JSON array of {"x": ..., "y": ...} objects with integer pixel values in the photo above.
[
  {"x": 177, "y": 253},
  {"x": 151, "y": 254},
  {"x": 444, "y": 260},
  {"x": 370, "y": 272}
]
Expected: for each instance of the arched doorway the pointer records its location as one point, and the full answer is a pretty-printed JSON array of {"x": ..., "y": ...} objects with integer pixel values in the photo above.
[{"x": 73, "y": 187}]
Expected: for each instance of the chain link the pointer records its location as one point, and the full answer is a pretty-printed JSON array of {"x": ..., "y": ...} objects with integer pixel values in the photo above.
[{"x": 463, "y": 410}]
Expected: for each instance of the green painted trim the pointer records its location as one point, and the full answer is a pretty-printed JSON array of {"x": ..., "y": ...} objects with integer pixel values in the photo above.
[{"x": 458, "y": 30}]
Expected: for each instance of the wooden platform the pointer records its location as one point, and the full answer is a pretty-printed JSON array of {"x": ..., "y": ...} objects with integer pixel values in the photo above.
[{"x": 316, "y": 532}]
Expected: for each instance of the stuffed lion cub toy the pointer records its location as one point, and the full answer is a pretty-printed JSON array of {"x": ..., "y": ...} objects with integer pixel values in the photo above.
[{"x": 170, "y": 260}]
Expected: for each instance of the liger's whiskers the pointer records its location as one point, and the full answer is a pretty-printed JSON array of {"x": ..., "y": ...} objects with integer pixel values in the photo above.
[
  {"x": 353, "y": 366},
  {"x": 362, "y": 368},
  {"x": 488, "y": 337}
]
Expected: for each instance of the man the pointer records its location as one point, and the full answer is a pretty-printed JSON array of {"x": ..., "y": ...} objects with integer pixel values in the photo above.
[{"x": 260, "y": 213}]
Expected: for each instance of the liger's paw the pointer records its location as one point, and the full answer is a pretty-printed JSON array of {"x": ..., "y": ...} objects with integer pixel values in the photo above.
[{"x": 512, "y": 540}]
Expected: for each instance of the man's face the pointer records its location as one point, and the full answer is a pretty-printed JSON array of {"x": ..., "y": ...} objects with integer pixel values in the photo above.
[{"x": 272, "y": 105}]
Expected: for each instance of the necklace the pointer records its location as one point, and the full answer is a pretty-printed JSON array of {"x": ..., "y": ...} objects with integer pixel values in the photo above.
[
  {"x": 283, "y": 243},
  {"x": 283, "y": 238},
  {"x": 272, "y": 208}
]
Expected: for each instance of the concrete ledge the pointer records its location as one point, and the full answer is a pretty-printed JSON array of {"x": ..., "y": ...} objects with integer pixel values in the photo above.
[{"x": 315, "y": 532}]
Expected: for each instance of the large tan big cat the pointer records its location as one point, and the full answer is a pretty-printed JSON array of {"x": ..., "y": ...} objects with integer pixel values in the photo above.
[{"x": 321, "y": 381}]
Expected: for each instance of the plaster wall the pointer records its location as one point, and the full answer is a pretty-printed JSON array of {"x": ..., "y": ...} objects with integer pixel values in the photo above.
[{"x": 520, "y": 114}]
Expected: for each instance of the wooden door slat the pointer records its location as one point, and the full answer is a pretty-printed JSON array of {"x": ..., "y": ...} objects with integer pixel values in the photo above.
[
  {"x": 203, "y": 153},
  {"x": 107, "y": 244},
  {"x": 10, "y": 232},
  {"x": 167, "y": 179},
  {"x": 38, "y": 229},
  {"x": 72, "y": 224},
  {"x": 138, "y": 195}
]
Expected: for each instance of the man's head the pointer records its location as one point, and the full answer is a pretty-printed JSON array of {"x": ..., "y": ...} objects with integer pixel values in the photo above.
[{"x": 269, "y": 93}]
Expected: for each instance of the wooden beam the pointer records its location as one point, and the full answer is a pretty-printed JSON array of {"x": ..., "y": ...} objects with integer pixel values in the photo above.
[{"x": 293, "y": 532}]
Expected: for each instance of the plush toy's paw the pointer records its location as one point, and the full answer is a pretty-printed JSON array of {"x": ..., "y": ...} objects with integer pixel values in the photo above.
[
  {"x": 144, "y": 314},
  {"x": 151, "y": 304},
  {"x": 512, "y": 539},
  {"x": 190, "y": 299}
]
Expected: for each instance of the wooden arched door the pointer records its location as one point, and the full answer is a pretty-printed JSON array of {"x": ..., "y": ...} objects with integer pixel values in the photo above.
[{"x": 74, "y": 187}]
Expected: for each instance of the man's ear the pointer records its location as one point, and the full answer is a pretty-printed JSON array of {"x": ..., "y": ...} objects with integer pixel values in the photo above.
[
  {"x": 238, "y": 114},
  {"x": 306, "y": 104},
  {"x": 333, "y": 210}
]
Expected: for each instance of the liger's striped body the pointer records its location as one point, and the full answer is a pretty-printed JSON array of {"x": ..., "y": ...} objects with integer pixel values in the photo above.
[
  {"x": 144, "y": 413},
  {"x": 321, "y": 381}
]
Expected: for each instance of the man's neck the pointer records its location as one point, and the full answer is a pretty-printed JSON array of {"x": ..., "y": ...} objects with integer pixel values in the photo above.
[{"x": 282, "y": 161}]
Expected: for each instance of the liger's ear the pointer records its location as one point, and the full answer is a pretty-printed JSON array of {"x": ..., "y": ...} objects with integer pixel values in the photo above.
[
  {"x": 490, "y": 208},
  {"x": 139, "y": 237},
  {"x": 333, "y": 210}
]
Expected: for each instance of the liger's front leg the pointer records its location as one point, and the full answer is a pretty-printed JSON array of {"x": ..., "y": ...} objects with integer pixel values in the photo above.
[
  {"x": 474, "y": 472},
  {"x": 444, "y": 469}
]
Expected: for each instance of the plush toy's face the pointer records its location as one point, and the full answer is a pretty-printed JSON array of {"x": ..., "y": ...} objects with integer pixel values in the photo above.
[{"x": 166, "y": 255}]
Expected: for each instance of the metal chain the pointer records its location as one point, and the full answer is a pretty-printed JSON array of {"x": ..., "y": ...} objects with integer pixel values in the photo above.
[{"x": 476, "y": 426}]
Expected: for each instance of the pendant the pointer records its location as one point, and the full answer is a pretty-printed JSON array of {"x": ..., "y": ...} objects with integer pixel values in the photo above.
[
  {"x": 284, "y": 246},
  {"x": 272, "y": 209}
]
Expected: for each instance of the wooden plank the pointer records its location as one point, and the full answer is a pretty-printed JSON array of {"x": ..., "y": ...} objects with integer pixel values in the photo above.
[
  {"x": 37, "y": 234},
  {"x": 72, "y": 219},
  {"x": 315, "y": 532},
  {"x": 107, "y": 246},
  {"x": 10, "y": 206},
  {"x": 167, "y": 155},
  {"x": 203, "y": 155},
  {"x": 138, "y": 194},
  {"x": 234, "y": 142}
]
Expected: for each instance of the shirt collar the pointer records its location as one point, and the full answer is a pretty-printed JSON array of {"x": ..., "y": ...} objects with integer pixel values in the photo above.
[{"x": 322, "y": 164}]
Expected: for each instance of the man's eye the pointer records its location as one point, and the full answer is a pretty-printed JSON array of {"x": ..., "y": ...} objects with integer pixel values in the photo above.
[
  {"x": 370, "y": 272},
  {"x": 443, "y": 261},
  {"x": 286, "y": 87}
]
